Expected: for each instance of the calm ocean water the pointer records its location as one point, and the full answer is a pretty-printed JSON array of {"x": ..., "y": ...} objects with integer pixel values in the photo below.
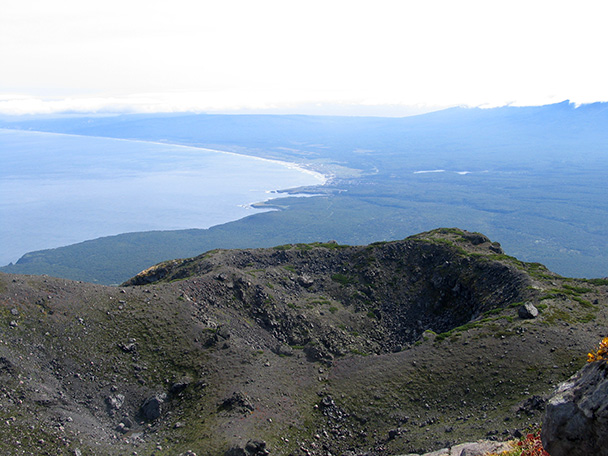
[{"x": 57, "y": 189}]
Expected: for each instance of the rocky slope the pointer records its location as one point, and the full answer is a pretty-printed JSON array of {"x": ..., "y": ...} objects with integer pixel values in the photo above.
[{"x": 392, "y": 348}]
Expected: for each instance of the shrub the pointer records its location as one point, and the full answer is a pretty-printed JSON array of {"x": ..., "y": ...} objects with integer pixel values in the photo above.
[
  {"x": 530, "y": 445},
  {"x": 341, "y": 279},
  {"x": 600, "y": 353}
]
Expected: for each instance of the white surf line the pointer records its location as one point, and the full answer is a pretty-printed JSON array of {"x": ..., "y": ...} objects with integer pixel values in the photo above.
[
  {"x": 462, "y": 173},
  {"x": 430, "y": 171},
  {"x": 290, "y": 165}
]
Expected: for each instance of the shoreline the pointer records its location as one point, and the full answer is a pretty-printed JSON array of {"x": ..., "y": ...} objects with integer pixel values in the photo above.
[
  {"x": 290, "y": 165},
  {"x": 258, "y": 205}
]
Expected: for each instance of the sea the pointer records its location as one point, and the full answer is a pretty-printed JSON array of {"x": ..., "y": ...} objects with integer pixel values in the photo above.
[{"x": 58, "y": 189}]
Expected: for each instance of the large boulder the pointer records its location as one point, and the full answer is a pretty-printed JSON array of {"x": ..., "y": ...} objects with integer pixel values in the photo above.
[
  {"x": 576, "y": 418},
  {"x": 152, "y": 407},
  {"x": 527, "y": 311}
]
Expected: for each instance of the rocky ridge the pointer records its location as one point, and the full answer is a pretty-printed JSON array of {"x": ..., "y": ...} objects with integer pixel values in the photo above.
[
  {"x": 576, "y": 419},
  {"x": 392, "y": 348}
]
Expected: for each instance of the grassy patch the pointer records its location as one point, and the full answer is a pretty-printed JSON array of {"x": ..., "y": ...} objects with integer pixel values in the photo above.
[
  {"x": 576, "y": 290},
  {"x": 303, "y": 246},
  {"x": 555, "y": 315},
  {"x": 330, "y": 245},
  {"x": 320, "y": 300},
  {"x": 492, "y": 312},
  {"x": 598, "y": 282},
  {"x": 379, "y": 243},
  {"x": 587, "y": 318},
  {"x": 463, "y": 328},
  {"x": 342, "y": 279},
  {"x": 583, "y": 302}
]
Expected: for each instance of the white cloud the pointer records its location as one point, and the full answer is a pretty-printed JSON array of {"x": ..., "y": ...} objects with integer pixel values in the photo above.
[{"x": 237, "y": 54}]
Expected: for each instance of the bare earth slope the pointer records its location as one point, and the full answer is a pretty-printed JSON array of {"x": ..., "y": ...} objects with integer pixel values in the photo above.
[{"x": 391, "y": 348}]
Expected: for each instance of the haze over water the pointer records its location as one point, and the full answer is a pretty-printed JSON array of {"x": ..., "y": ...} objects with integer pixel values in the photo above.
[{"x": 58, "y": 189}]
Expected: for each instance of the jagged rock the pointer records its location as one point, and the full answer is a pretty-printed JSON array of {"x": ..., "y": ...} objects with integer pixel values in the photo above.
[
  {"x": 7, "y": 367},
  {"x": 576, "y": 418},
  {"x": 331, "y": 410},
  {"x": 476, "y": 238},
  {"x": 129, "y": 347},
  {"x": 283, "y": 350},
  {"x": 127, "y": 422},
  {"x": 43, "y": 398},
  {"x": 318, "y": 353},
  {"x": 238, "y": 400},
  {"x": 252, "y": 448},
  {"x": 527, "y": 311},
  {"x": 115, "y": 402},
  {"x": 479, "y": 448},
  {"x": 180, "y": 386},
  {"x": 497, "y": 248},
  {"x": 327, "y": 401},
  {"x": 256, "y": 448},
  {"x": 151, "y": 408},
  {"x": 532, "y": 405},
  {"x": 223, "y": 332},
  {"x": 306, "y": 281},
  {"x": 394, "y": 433}
]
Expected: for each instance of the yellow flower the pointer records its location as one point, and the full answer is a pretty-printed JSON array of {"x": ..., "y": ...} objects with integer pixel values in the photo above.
[{"x": 600, "y": 353}]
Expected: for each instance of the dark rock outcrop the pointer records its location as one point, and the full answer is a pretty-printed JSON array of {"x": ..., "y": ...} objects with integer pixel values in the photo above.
[
  {"x": 576, "y": 419},
  {"x": 252, "y": 448},
  {"x": 527, "y": 311},
  {"x": 151, "y": 408},
  {"x": 239, "y": 401}
]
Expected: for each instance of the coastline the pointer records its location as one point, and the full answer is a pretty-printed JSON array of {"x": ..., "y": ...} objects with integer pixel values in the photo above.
[
  {"x": 237, "y": 206},
  {"x": 290, "y": 165}
]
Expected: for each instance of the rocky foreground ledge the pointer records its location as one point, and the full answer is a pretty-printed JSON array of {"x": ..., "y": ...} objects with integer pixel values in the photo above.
[
  {"x": 479, "y": 448},
  {"x": 576, "y": 421}
]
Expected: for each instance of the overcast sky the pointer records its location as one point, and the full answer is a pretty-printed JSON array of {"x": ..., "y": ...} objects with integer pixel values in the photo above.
[{"x": 380, "y": 56}]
